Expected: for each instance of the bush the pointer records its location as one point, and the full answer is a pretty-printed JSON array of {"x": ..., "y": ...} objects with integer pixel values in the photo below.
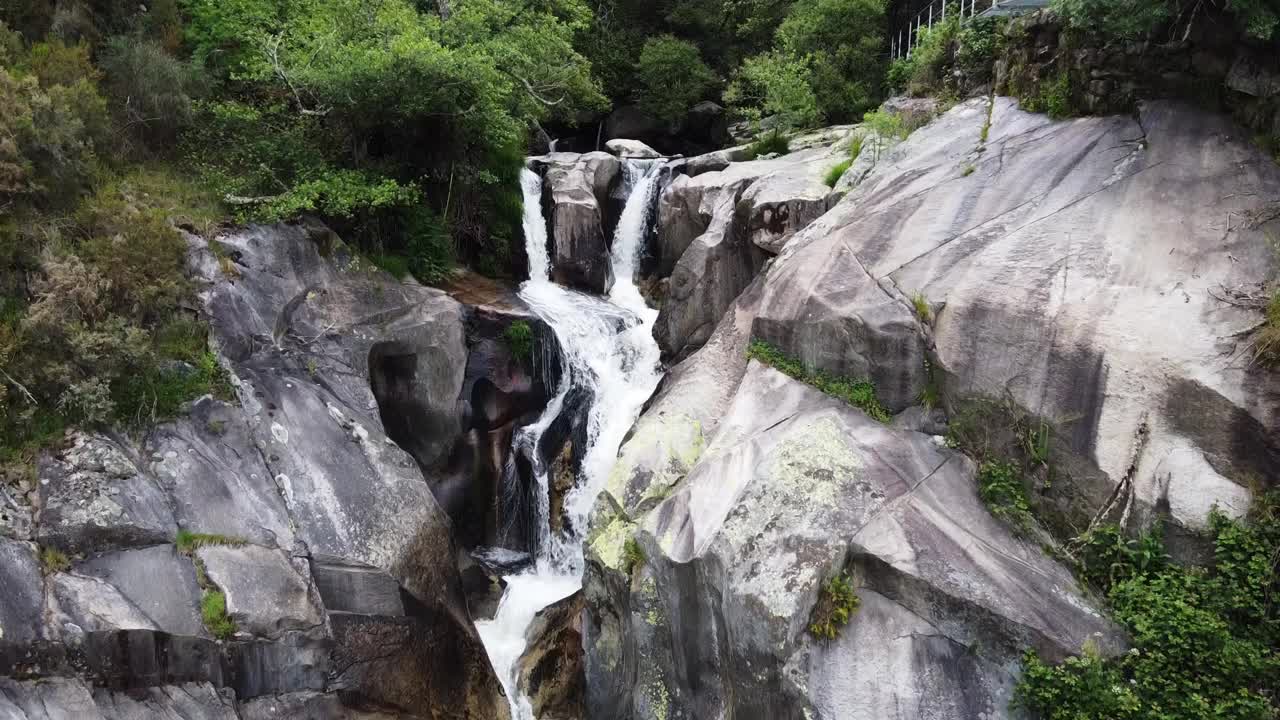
[
  {"x": 1126, "y": 19},
  {"x": 1001, "y": 490},
  {"x": 150, "y": 89},
  {"x": 836, "y": 605},
  {"x": 858, "y": 393},
  {"x": 672, "y": 77},
  {"x": 1204, "y": 639},
  {"x": 778, "y": 85}
]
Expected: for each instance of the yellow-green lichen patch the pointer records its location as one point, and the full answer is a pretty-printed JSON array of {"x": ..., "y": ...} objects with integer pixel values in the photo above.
[
  {"x": 789, "y": 521},
  {"x": 609, "y": 543},
  {"x": 659, "y": 700},
  {"x": 660, "y": 453}
]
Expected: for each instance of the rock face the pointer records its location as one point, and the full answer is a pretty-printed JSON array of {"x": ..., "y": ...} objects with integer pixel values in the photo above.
[
  {"x": 1072, "y": 272},
  {"x": 578, "y": 188},
  {"x": 551, "y": 674},
  {"x": 796, "y": 487},
  {"x": 319, "y": 502},
  {"x": 631, "y": 149}
]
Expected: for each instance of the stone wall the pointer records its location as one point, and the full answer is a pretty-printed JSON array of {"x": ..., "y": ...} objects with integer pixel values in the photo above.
[{"x": 1208, "y": 62}]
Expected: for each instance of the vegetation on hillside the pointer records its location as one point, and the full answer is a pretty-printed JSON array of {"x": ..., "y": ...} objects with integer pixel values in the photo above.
[{"x": 1204, "y": 639}]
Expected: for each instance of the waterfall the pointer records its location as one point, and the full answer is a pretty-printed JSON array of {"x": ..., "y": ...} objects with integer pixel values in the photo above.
[{"x": 609, "y": 350}]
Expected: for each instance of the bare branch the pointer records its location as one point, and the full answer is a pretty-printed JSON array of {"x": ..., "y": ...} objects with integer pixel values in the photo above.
[{"x": 30, "y": 398}]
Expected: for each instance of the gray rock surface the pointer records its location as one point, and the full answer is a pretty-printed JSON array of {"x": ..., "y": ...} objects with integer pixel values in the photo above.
[
  {"x": 22, "y": 599},
  {"x": 1071, "y": 280},
  {"x": 95, "y": 605},
  {"x": 794, "y": 488},
  {"x": 193, "y": 701},
  {"x": 266, "y": 593},
  {"x": 716, "y": 226},
  {"x": 631, "y": 149},
  {"x": 216, "y": 486},
  {"x": 158, "y": 581},
  {"x": 578, "y": 187},
  {"x": 94, "y": 497}
]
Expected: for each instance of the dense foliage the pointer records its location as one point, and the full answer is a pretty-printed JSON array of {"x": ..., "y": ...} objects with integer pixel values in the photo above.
[
  {"x": 1204, "y": 639},
  {"x": 1132, "y": 19}
]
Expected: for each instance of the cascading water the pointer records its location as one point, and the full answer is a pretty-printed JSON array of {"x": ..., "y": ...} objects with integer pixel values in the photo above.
[{"x": 609, "y": 350}]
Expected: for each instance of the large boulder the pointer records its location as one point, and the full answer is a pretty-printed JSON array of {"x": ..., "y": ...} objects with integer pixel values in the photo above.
[
  {"x": 718, "y": 223},
  {"x": 631, "y": 149},
  {"x": 794, "y": 488},
  {"x": 1072, "y": 284},
  {"x": 550, "y": 671},
  {"x": 578, "y": 190}
]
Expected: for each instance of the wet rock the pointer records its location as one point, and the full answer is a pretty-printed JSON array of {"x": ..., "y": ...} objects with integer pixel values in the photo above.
[
  {"x": 631, "y": 149},
  {"x": 551, "y": 671},
  {"x": 94, "y": 497},
  {"x": 266, "y": 593},
  {"x": 51, "y": 699},
  {"x": 578, "y": 187},
  {"x": 707, "y": 124},
  {"x": 360, "y": 589},
  {"x": 309, "y": 706}
]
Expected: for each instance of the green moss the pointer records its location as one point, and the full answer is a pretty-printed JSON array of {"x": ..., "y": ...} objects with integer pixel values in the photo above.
[
  {"x": 858, "y": 393},
  {"x": 519, "y": 339},
  {"x": 213, "y": 610},
  {"x": 836, "y": 605},
  {"x": 53, "y": 560}
]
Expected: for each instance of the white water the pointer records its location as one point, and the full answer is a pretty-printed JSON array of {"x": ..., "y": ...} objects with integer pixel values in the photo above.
[{"x": 608, "y": 348}]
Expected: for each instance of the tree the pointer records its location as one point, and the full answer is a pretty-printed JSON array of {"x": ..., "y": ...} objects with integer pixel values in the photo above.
[
  {"x": 672, "y": 77},
  {"x": 843, "y": 42},
  {"x": 776, "y": 84}
]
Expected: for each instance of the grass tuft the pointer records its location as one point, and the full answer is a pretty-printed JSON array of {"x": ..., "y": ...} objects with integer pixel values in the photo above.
[
  {"x": 772, "y": 143},
  {"x": 836, "y": 605},
  {"x": 53, "y": 560},
  {"x": 920, "y": 304},
  {"x": 188, "y": 542},
  {"x": 519, "y": 339},
  {"x": 858, "y": 393},
  {"x": 837, "y": 172},
  {"x": 632, "y": 555},
  {"x": 213, "y": 610}
]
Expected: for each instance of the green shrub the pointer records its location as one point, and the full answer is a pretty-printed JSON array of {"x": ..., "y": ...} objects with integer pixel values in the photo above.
[
  {"x": 1126, "y": 19},
  {"x": 150, "y": 89},
  {"x": 213, "y": 610},
  {"x": 836, "y": 172},
  {"x": 672, "y": 77},
  {"x": 835, "y": 607},
  {"x": 1204, "y": 639},
  {"x": 1107, "y": 557},
  {"x": 978, "y": 46},
  {"x": 1001, "y": 490},
  {"x": 777, "y": 85},
  {"x": 842, "y": 42},
  {"x": 858, "y": 393},
  {"x": 519, "y": 338}
]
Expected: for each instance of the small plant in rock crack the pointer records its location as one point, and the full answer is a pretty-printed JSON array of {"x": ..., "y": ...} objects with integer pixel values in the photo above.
[
  {"x": 920, "y": 304},
  {"x": 53, "y": 560},
  {"x": 213, "y": 610},
  {"x": 1001, "y": 490},
  {"x": 519, "y": 339},
  {"x": 188, "y": 542},
  {"x": 632, "y": 555},
  {"x": 836, "y": 605}
]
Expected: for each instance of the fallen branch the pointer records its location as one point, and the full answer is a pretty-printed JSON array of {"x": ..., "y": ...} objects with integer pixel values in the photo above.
[
  {"x": 30, "y": 398},
  {"x": 246, "y": 200}
]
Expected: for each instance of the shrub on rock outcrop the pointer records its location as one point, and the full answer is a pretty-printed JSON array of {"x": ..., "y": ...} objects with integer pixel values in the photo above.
[
  {"x": 836, "y": 605},
  {"x": 1205, "y": 639}
]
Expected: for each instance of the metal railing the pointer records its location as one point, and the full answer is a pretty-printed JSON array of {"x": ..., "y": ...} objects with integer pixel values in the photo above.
[{"x": 905, "y": 39}]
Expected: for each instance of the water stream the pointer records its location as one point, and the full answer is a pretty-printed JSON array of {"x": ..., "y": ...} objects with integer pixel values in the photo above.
[{"x": 610, "y": 352}]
